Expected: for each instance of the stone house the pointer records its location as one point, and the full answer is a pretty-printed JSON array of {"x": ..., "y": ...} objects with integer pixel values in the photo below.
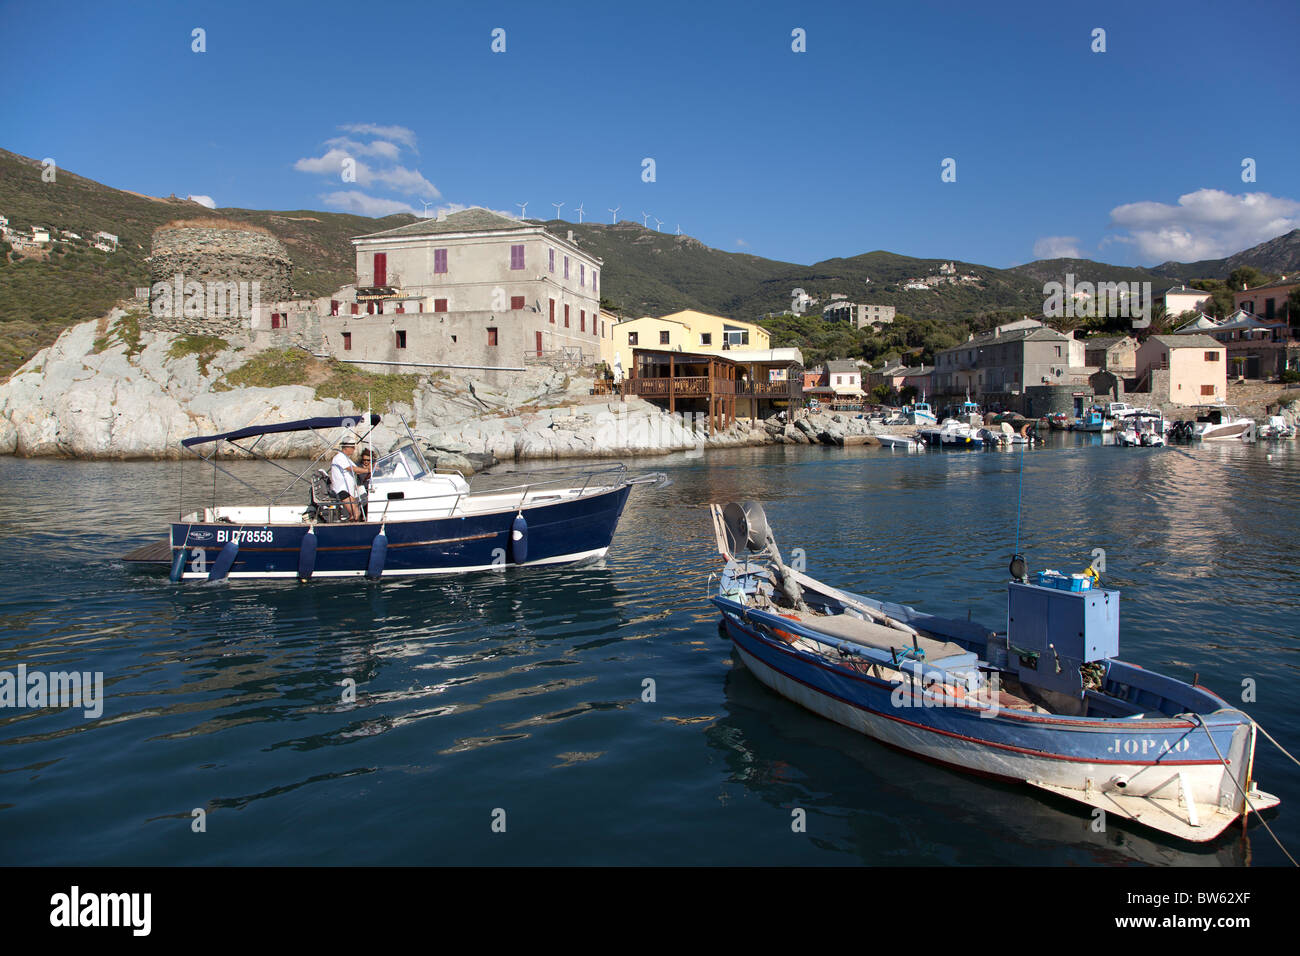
[
  {"x": 1112, "y": 353},
  {"x": 1000, "y": 367}
]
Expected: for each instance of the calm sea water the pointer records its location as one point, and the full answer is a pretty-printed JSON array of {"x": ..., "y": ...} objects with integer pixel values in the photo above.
[{"x": 523, "y": 692}]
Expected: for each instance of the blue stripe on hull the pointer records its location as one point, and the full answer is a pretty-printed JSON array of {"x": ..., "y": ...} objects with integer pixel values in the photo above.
[
  {"x": 1056, "y": 737},
  {"x": 581, "y": 526}
]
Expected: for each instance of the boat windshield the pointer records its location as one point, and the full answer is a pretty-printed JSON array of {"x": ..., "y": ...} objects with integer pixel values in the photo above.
[{"x": 406, "y": 462}]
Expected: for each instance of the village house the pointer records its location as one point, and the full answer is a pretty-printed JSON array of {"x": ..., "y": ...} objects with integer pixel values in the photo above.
[
  {"x": 686, "y": 331},
  {"x": 1266, "y": 301},
  {"x": 1179, "y": 299},
  {"x": 473, "y": 288},
  {"x": 1187, "y": 369},
  {"x": 845, "y": 379},
  {"x": 1113, "y": 353}
]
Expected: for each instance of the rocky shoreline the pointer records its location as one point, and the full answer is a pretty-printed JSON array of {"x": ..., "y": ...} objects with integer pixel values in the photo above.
[{"x": 92, "y": 396}]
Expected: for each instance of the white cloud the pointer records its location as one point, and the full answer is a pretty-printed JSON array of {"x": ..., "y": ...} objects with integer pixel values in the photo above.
[
  {"x": 397, "y": 178},
  {"x": 365, "y": 205},
  {"x": 203, "y": 201},
  {"x": 380, "y": 147},
  {"x": 742, "y": 242},
  {"x": 1057, "y": 247},
  {"x": 404, "y": 181},
  {"x": 399, "y": 134},
  {"x": 1206, "y": 224}
]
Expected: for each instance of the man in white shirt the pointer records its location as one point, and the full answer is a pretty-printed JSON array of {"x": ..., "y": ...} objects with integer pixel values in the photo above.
[{"x": 343, "y": 479}]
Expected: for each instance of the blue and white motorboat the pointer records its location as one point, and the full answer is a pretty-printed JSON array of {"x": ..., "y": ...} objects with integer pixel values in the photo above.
[
  {"x": 1046, "y": 701},
  {"x": 416, "y": 521},
  {"x": 919, "y": 413},
  {"x": 951, "y": 434}
]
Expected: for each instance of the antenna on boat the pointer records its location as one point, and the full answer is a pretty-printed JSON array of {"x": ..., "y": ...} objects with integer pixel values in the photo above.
[{"x": 1018, "y": 569}]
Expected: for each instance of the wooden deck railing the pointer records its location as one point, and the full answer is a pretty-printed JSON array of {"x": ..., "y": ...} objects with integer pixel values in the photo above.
[{"x": 699, "y": 386}]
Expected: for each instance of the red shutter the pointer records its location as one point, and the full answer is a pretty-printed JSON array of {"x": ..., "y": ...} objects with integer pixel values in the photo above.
[
  {"x": 552, "y": 312},
  {"x": 440, "y": 305},
  {"x": 381, "y": 268},
  {"x": 539, "y": 344}
]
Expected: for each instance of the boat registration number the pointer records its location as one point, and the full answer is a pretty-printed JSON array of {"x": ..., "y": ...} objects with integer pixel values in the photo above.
[
  {"x": 1132, "y": 745},
  {"x": 257, "y": 536}
]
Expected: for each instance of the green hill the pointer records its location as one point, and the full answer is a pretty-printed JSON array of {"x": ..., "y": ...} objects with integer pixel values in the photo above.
[{"x": 645, "y": 272}]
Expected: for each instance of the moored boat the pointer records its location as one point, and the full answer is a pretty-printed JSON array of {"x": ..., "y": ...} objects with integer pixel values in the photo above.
[
  {"x": 1223, "y": 423},
  {"x": 951, "y": 434},
  {"x": 416, "y": 520},
  {"x": 1045, "y": 702}
]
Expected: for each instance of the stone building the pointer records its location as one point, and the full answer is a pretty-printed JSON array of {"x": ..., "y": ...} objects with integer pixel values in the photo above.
[
  {"x": 1000, "y": 367},
  {"x": 474, "y": 288},
  {"x": 1114, "y": 353},
  {"x": 210, "y": 275},
  {"x": 858, "y": 315}
]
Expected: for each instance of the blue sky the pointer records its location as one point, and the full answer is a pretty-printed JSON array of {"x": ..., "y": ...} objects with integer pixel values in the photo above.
[{"x": 1130, "y": 156}]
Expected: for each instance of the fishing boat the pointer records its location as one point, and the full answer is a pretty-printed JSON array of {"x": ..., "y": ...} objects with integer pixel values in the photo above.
[
  {"x": 1044, "y": 701},
  {"x": 1094, "y": 420},
  {"x": 919, "y": 413},
  {"x": 417, "y": 520}
]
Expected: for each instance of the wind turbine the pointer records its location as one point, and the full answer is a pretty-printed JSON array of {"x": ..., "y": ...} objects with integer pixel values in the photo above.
[
  {"x": 558, "y": 206},
  {"x": 613, "y": 215},
  {"x": 523, "y": 208},
  {"x": 580, "y": 213},
  {"x": 659, "y": 224},
  {"x": 679, "y": 229},
  {"x": 427, "y": 204},
  {"x": 645, "y": 219}
]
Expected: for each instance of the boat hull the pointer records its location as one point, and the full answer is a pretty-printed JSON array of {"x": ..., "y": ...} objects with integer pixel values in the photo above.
[
  {"x": 557, "y": 533},
  {"x": 1141, "y": 769}
]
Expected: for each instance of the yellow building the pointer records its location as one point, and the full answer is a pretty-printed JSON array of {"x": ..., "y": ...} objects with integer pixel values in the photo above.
[{"x": 687, "y": 331}]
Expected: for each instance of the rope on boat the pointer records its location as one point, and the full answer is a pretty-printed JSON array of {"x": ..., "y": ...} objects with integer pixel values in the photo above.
[
  {"x": 1276, "y": 744},
  {"x": 1244, "y": 794}
]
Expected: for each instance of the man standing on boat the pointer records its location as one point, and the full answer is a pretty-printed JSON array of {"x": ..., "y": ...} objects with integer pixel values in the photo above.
[{"x": 343, "y": 479}]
